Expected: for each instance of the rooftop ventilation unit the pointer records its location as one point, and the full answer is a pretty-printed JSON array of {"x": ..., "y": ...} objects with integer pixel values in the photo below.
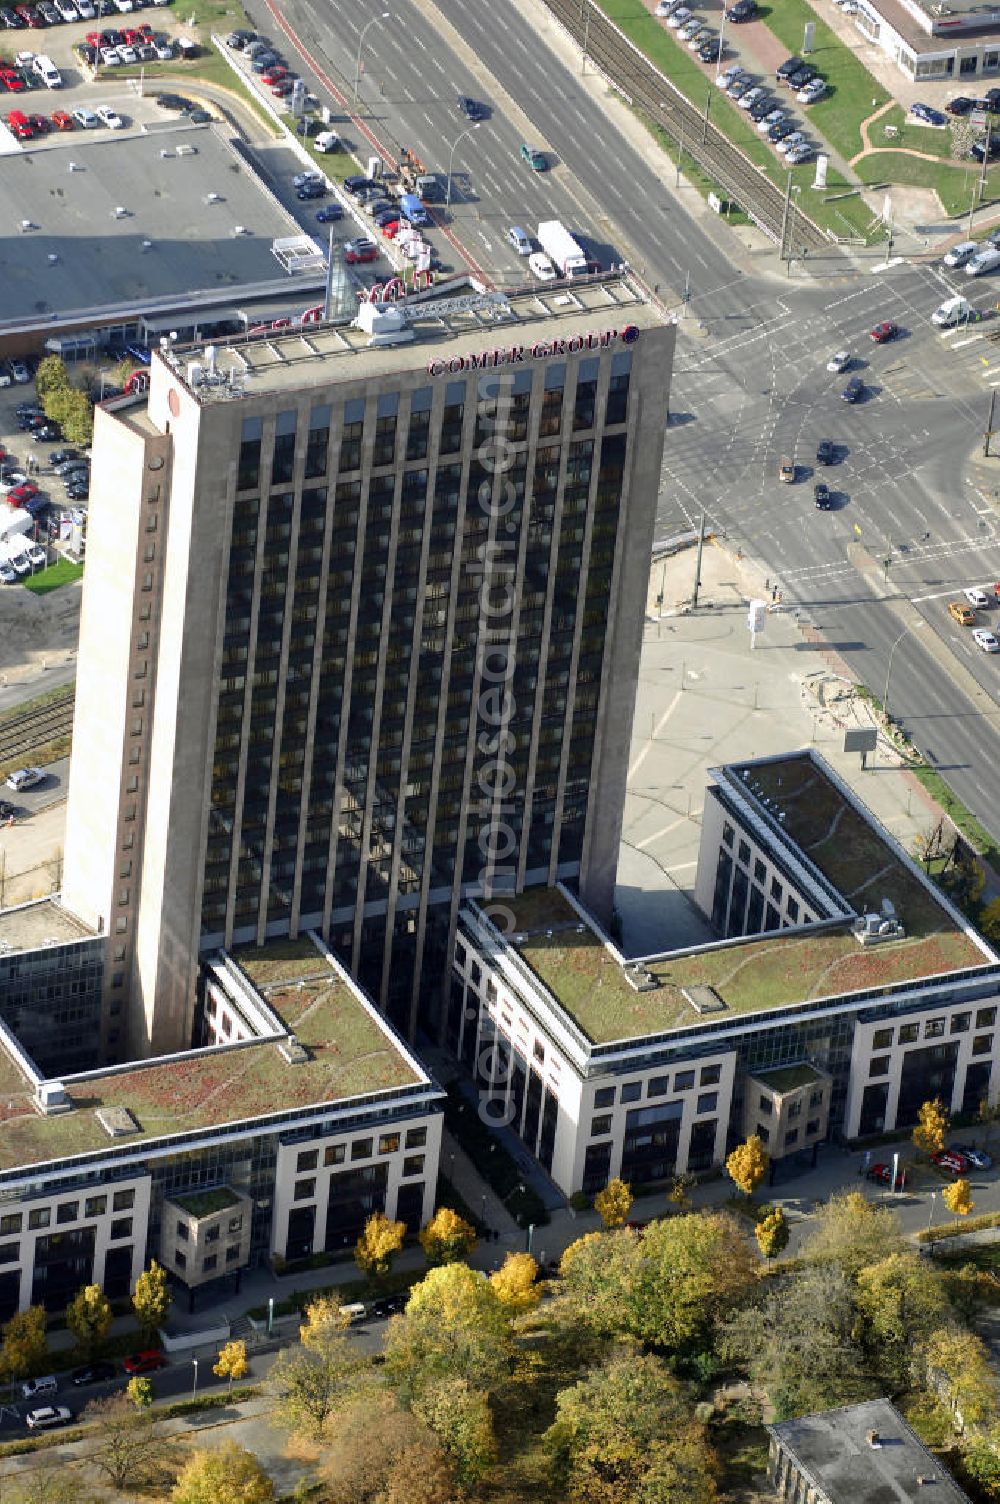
[
  {"x": 187, "y": 151},
  {"x": 213, "y": 198},
  {"x": 51, "y": 1098},
  {"x": 872, "y": 929},
  {"x": 704, "y": 1000},
  {"x": 639, "y": 979},
  {"x": 117, "y": 1122},
  {"x": 292, "y": 1052},
  {"x": 240, "y": 230}
]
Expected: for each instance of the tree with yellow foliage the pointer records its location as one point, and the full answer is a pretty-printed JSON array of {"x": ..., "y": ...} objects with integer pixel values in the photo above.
[
  {"x": 748, "y": 1164},
  {"x": 223, "y": 1475},
  {"x": 515, "y": 1282},
  {"x": 932, "y": 1125},
  {"x": 232, "y": 1362},
  {"x": 447, "y": 1238},
  {"x": 771, "y": 1233},
  {"x": 957, "y": 1197},
  {"x": 378, "y": 1245},
  {"x": 614, "y": 1203}
]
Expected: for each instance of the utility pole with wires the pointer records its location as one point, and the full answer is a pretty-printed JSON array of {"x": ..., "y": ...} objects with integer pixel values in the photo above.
[{"x": 989, "y": 425}]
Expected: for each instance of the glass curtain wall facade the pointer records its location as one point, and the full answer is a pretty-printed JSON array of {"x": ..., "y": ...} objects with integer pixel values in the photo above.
[{"x": 389, "y": 551}]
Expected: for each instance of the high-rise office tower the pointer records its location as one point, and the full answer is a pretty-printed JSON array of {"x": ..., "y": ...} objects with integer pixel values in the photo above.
[{"x": 360, "y": 632}]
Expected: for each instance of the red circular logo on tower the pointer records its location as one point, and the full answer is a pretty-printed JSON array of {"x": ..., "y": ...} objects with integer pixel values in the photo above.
[{"x": 174, "y": 402}]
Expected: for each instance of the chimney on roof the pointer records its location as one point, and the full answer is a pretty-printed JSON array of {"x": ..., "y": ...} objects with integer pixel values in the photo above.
[{"x": 873, "y": 1439}]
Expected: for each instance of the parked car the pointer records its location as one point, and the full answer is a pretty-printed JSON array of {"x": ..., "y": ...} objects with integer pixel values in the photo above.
[
  {"x": 356, "y": 251},
  {"x": 147, "y": 1361},
  {"x": 800, "y": 152},
  {"x": 883, "y": 1174},
  {"x": 743, "y": 10},
  {"x": 927, "y": 114},
  {"x": 960, "y": 105},
  {"x": 47, "y": 1416},
  {"x": 21, "y": 779},
  {"x": 22, "y": 494},
  {"x": 884, "y": 332},
  {"x": 977, "y": 1157},
  {"x": 109, "y": 117},
  {"x": 821, "y": 495},
  {"x": 93, "y": 1373},
  {"x": 952, "y": 1161},
  {"x": 826, "y": 452},
  {"x": 312, "y": 190},
  {"x": 85, "y": 119},
  {"x": 32, "y": 1389},
  {"x": 854, "y": 390},
  {"x": 329, "y": 213}
]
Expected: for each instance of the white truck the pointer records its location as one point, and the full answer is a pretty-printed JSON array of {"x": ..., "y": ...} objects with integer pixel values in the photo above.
[
  {"x": 953, "y": 311},
  {"x": 559, "y": 245}
]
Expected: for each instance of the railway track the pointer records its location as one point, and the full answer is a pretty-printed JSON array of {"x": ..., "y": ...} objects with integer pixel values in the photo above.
[
  {"x": 22, "y": 732},
  {"x": 630, "y": 72}
]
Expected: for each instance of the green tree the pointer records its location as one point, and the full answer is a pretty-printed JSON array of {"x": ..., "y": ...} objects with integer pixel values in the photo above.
[
  {"x": 324, "y": 1372},
  {"x": 89, "y": 1317},
  {"x": 852, "y": 1231},
  {"x": 24, "y": 1349},
  {"x": 771, "y": 1233},
  {"x": 151, "y": 1300},
  {"x": 957, "y": 1197},
  {"x": 378, "y": 1245},
  {"x": 981, "y": 1461},
  {"x": 666, "y": 1288},
  {"x": 126, "y": 1446},
  {"x": 74, "y": 412},
  {"x": 447, "y": 1238},
  {"x": 748, "y": 1164},
  {"x": 461, "y": 1419},
  {"x": 454, "y": 1327},
  {"x": 140, "y": 1391},
  {"x": 614, "y": 1203},
  {"x": 989, "y": 921},
  {"x": 51, "y": 376},
  {"x": 902, "y": 1300},
  {"x": 626, "y": 1432},
  {"x": 932, "y": 1125},
  {"x": 516, "y": 1282},
  {"x": 797, "y": 1341},
  {"x": 232, "y": 1362},
  {"x": 227, "y": 1474}
]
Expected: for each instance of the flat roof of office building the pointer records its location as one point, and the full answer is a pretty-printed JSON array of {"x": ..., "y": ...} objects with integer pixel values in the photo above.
[
  {"x": 79, "y": 254},
  {"x": 348, "y": 1053},
  {"x": 449, "y": 322},
  {"x": 771, "y": 970},
  {"x": 37, "y": 925},
  {"x": 866, "y": 1454}
]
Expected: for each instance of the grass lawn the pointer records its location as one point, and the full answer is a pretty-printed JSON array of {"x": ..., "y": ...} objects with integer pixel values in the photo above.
[
  {"x": 851, "y": 88},
  {"x": 915, "y": 137},
  {"x": 60, "y": 573},
  {"x": 954, "y": 185}
]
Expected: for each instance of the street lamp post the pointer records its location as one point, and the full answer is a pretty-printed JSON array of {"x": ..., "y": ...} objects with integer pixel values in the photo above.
[
  {"x": 913, "y": 627},
  {"x": 375, "y": 21},
  {"x": 270, "y": 1315},
  {"x": 194, "y": 1386},
  {"x": 451, "y": 159}
]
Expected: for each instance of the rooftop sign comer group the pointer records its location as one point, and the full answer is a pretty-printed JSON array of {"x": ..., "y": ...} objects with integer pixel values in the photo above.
[{"x": 511, "y": 355}]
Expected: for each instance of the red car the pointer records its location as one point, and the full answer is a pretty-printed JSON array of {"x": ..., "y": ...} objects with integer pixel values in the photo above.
[
  {"x": 22, "y": 493},
  {"x": 360, "y": 250},
  {"x": 282, "y": 87},
  {"x": 883, "y": 1174},
  {"x": 950, "y": 1160},
  {"x": 145, "y": 1362},
  {"x": 12, "y": 80},
  {"x": 62, "y": 121},
  {"x": 273, "y": 75},
  {"x": 93, "y": 39},
  {"x": 20, "y": 125},
  {"x": 884, "y": 331},
  {"x": 391, "y": 229},
  {"x": 29, "y": 16}
]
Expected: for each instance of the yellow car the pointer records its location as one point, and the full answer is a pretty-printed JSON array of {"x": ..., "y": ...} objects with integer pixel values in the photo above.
[{"x": 963, "y": 614}]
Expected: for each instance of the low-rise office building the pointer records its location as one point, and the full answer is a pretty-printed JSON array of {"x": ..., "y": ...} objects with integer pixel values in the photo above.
[
  {"x": 300, "y": 1115},
  {"x": 927, "y": 40},
  {"x": 843, "y": 991}
]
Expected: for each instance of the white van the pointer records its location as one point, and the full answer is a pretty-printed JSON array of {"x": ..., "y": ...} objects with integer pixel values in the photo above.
[
  {"x": 327, "y": 141},
  {"x": 32, "y": 1388},
  {"x": 953, "y": 311},
  {"x": 961, "y": 253},
  {"x": 986, "y": 260},
  {"x": 47, "y": 71}
]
